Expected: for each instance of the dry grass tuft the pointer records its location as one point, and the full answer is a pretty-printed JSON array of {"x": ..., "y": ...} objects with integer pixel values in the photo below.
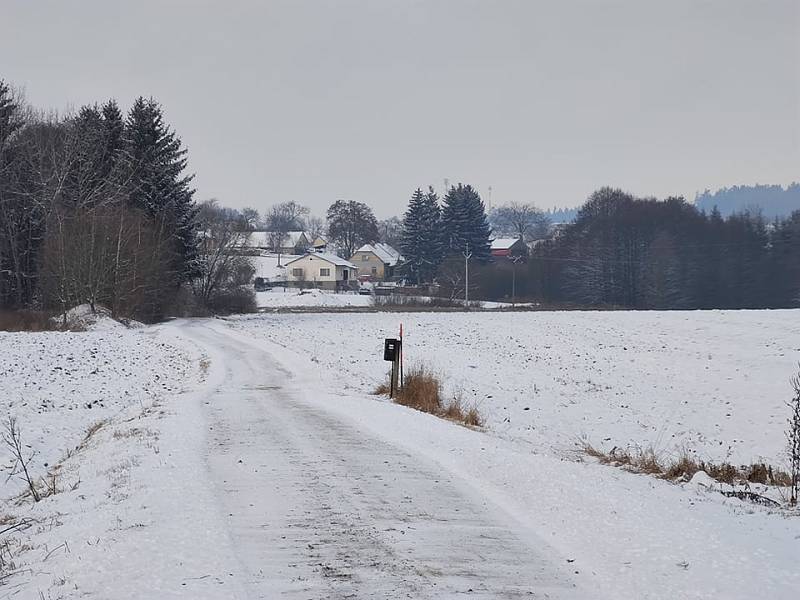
[
  {"x": 473, "y": 418},
  {"x": 685, "y": 466},
  {"x": 422, "y": 390},
  {"x": 382, "y": 390}
]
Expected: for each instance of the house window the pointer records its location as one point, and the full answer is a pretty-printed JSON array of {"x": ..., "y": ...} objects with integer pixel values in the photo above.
[
  {"x": 324, "y": 272},
  {"x": 297, "y": 272},
  {"x": 365, "y": 257},
  {"x": 374, "y": 270}
]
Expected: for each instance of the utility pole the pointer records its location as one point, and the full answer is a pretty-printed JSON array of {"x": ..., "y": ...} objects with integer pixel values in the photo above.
[
  {"x": 467, "y": 256},
  {"x": 514, "y": 261}
]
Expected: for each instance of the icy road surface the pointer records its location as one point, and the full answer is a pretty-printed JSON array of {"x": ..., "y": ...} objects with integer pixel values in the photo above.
[{"x": 320, "y": 509}]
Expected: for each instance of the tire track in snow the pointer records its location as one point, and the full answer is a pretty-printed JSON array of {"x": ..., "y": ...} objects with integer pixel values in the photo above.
[{"x": 319, "y": 509}]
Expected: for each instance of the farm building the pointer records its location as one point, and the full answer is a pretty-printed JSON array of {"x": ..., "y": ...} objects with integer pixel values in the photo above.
[{"x": 508, "y": 248}]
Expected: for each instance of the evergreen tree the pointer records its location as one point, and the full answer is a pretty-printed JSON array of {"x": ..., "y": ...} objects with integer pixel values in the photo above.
[
  {"x": 158, "y": 186},
  {"x": 421, "y": 241},
  {"x": 113, "y": 137},
  {"x": 464, "y": 223}
]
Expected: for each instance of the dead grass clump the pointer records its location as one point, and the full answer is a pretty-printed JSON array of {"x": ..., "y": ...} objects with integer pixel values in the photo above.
[
  {"x": 724, "y": 472},
  {"x": 382, "y": 390},
  {"x": 644, "y": 461},
  {"x": 473, "y": 418},
  {"x": 422, "y": 390},
  {"x": 685, "y": 466}
]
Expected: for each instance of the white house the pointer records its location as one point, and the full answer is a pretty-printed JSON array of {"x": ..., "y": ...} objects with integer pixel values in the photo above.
[{"x": 322, "y": 270}]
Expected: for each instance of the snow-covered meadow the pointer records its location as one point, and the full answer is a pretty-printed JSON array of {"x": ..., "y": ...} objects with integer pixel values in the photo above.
[
  {"x": 91, "y": 408},
  {"x": 710, "y": 382},
  {"x": 125, "y": 523},
  {"x": 281, "y": 297},
  {"x": 59, "y": 384}
]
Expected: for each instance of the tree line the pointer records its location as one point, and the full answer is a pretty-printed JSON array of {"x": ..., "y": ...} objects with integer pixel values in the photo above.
[
  {"x": 95, "y": 208},
  {"x": 646, "y": 253},
  {"x": 773, "y": 201}
]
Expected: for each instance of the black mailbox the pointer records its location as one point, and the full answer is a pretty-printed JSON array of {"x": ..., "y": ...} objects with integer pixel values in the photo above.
[{"x": 391, "y": 349}]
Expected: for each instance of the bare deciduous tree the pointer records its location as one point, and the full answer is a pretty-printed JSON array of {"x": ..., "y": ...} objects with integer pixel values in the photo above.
[
  {"x": 225, "y": 268},
  {"x": 793, "y": 437},
  {"x": 351, "y": 224},
  {"x": 523, "y": 221},
  {"x": 283, "y": 218},
  {"x": 12, "y": 438},
  {"x": 315, "y": 227}
]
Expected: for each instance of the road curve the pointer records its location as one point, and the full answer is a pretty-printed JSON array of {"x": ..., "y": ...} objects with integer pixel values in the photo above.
[{"x": 317, "y": 508}]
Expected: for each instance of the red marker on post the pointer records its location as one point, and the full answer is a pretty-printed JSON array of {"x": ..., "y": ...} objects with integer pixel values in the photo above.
[{"x": 401, "y": 356}]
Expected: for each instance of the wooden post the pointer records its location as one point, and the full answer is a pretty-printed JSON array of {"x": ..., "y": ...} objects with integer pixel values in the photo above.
[
  {"x": 402, "y": 383},
  {"x": 393, "y": 384}
]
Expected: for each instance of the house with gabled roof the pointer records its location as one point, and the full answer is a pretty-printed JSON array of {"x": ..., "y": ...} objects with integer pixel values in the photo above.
[
  {"x": 322, "y": 270},
  {"x": 509, "y": 248},
  {"x": 290, "y": 242},
  {"x": 376, "y": 261}
]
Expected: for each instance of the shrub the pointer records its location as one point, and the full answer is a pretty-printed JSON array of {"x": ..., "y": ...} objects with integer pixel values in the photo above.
[
  {"x": 793, "y": 439},
  {"x": 234, "y": 299}
]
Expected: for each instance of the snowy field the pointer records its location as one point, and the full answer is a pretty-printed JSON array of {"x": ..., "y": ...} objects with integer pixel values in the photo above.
[
  {"x": 242, "y": 456},
  {"x": 294, "y": 298},
  {"x": 91, "y": 410},
  {"x": 287, "y": 297},
  {"x": 711, "y": 382},
  {"x": 59, "y": 384}
]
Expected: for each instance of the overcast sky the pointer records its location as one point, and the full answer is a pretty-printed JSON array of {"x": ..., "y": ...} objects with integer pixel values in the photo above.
[{"x": 366, "y": 100}]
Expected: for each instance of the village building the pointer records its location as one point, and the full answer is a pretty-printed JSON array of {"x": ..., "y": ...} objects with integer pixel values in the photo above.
[
  {"x": 291, "y": 242},
  {"x": 376, "y": 262},
  {"x": 320, "y": 244},
  {"x": 509, "y": 248},
  {"x": 322, "y": 270}
]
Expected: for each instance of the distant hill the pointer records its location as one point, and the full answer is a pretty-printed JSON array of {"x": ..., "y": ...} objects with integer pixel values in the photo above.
[{"x": 773, "y": 200}]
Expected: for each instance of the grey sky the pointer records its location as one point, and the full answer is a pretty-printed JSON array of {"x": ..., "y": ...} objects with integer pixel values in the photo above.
[{"x": 366, "y": 100}]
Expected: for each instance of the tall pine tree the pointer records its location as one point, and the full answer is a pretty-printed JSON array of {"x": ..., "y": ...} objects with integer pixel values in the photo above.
[
  {"x": 421, "y": 242},
  {"x": 157, "y": 161},
  {"x": 464, "y": 223}
]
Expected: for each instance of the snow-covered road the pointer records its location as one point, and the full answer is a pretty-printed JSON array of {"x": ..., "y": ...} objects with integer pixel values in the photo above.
[{"x": 318, "y": 507}]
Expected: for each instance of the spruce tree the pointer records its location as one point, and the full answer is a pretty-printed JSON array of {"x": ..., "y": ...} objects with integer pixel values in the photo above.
[
  {"x": 421, "y": 242},
  {"x": 113, "y": 141},
  {"x": 158, "y": 186},
  {"x": 464, "y": 223}
]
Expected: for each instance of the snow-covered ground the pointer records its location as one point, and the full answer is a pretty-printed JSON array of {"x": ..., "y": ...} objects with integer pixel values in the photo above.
[
  {"x": 254, "y": 463},
  {"x": 281, "y": 297},
  {"x": 271, "y": 267},
  {"x": 713, "y": 382},
  {"x": 59, "y": 384}
]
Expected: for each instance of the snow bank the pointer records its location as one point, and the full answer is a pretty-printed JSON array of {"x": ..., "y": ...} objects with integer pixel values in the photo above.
[{"x": 82, "y": 317}]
